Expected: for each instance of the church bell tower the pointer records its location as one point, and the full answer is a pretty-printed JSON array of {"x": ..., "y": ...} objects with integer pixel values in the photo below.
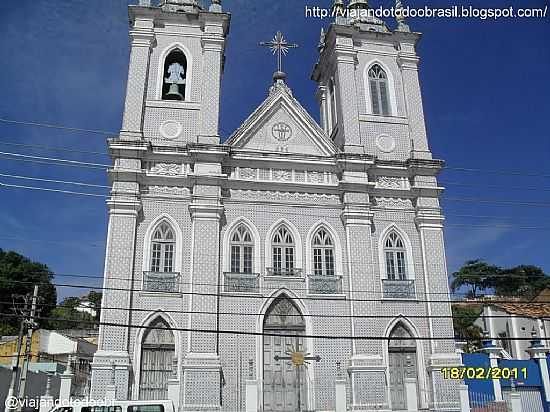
[
  {"x": 172, "y": 102},
  {"x": 175, "y": 70},
  {"x": 368, "y": 87}
]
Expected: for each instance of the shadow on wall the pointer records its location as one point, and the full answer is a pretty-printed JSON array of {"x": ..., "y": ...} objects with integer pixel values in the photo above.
[{"x": 36, "y": 385}]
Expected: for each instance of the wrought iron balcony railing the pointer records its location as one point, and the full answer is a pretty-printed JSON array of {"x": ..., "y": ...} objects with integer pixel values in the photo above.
[
  {"x": 398, "y": 289},
  {"x": 289, "y": 272},
  {"x": 161, "y": 282},
  {"x": 241, "y": 282},
  {"x": 325, "y": 284}
]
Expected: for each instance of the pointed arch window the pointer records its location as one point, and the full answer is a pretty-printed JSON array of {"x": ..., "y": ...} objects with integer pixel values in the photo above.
[
  {"x": 284, "y": 252},
  {"x": 323, "y": 254},
  {"x": 394, "y": 251},
  {"x": 163, "y": 245},
  {"x": 242, "y": 248},
  {"x": 378, "y": 84},
  {"x": 174, "y": 76},
  {"x": 157, "y": 360}
]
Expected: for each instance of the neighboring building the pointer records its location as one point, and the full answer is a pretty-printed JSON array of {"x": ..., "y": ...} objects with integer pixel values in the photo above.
[
  {"x": 86, "y": 306},
  {"x": 50, "y": 352},
  {"x": 275, "y": 230},
  {"x": 503, "y": 318}
]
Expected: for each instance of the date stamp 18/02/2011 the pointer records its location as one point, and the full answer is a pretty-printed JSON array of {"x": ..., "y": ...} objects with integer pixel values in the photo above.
[{"x": 484, "y": 373}]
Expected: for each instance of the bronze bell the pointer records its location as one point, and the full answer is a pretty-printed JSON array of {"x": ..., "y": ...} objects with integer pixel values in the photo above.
[{"x": 174, "y": 93}]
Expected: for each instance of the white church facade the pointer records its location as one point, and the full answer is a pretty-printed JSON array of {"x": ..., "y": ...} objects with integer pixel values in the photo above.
[{"x": 288, "y": 237}]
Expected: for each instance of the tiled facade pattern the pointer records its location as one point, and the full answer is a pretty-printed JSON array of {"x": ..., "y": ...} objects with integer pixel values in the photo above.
[{"x": 356, "y": 187}]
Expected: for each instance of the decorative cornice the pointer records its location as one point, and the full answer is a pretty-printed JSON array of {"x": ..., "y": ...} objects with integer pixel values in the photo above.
[
  {"x": 206, "y": 211},
  {"x": 429, "y": 219},
  {"x": 353, "y": 215}
]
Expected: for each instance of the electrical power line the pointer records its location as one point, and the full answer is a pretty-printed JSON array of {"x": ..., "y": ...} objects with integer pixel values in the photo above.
[
  {"x": 112, "y": 133},
  {"x": 56, "y": 160},
  {"x": 250, "y": 333},
  {"x": 260, "y": 296},
  {"x": 308, "y": 315},
  {"x": 64, "y": 182},
  {"x": 493, "y": 225}
]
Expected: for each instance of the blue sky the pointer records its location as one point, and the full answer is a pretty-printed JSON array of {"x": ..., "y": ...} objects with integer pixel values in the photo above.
[{"x": 486, "y": 98}]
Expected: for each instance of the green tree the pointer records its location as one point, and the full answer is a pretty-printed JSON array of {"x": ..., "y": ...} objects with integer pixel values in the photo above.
[
  {"x": 476, "y": 275},
  {"x": 95, "y": 298},
  {"x": 18, "y": 275},
  {"x": 464, "y": 328},
  {"x": 65, "y": 316},
  {"x": 521, "y": 281}
]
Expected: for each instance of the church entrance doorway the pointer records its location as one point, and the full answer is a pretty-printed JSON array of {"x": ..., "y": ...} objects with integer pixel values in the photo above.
[
  {"x": 284, "y": 385},
  {"x": 402, "y": 364},
  {"x": 157, "y": 361}
]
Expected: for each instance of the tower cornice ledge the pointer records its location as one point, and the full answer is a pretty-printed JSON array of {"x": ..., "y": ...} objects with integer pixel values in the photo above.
[
  {"x": 123, "y": 206},
  {"x": 357, "y": 215},
  {"x": 208, "y": 211},
  {"x": 429, "y": 219}
]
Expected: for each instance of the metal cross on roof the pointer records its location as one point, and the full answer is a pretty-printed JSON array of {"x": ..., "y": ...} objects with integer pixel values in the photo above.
[{"x": 280, "y": 47}]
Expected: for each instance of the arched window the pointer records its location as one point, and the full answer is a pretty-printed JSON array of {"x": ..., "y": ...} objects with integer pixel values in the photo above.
[
  {"x": 175, "y": 76},
  {"x": 283, "y": 252},
  {"x": 394, "y": 251},
  {"x": 323, "y": 254},
  {"x": 157, "y": 360},
  {"x": 378, "y": 84},
  {"x": 241, "y": 250},
  {"x": 162, "y": 248}
]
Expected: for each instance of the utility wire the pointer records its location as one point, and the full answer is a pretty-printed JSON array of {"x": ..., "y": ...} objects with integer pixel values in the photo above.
[
  {"x": 260, "y": 296},
  {"x": 249, "y": 333},
  {"x": 54, "y": 161},
  {"x": 112, "y": 133},
  {"x": 64, "y": 182},
  {"x": 56, "y": 126},
  {"x": 309, "y": 315},
  {"x": 67, "y": 192},
  {"x": 510, "y": 226},
  {"x": 343, "y": 291}
]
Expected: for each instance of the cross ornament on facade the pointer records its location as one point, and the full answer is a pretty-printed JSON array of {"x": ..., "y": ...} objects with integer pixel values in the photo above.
[
  {"x": 298, "y": 359},
  {"x": 279, "y": 46}
]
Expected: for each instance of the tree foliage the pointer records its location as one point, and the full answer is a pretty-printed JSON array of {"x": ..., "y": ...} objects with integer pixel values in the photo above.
[
  {"x": 18, "y": 275},
  {"x": 476, "y": 275},
  {"x": 464, "y": 328},
  {"x": 521, "y": 281}
]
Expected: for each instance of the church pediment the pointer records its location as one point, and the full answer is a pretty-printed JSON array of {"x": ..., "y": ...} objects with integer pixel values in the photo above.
[{"x": 281, "y": 124}]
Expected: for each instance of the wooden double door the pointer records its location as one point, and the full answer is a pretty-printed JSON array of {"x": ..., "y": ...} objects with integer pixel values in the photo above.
[
  {"x": 402, "y": 365},
  {"x": 284, "y": 385}
]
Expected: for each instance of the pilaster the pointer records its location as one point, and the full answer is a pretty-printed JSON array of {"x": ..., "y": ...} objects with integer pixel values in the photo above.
[
  {"x": 443, "y": 352},
  {"x": 366, "y": 369},
  {"x": 142, "y": 38},
  {"x": 212, "y": 42},
  {"x": 321, "y": 96},
  {"x": 202, "y": 371},
  {"x": 347, "y": 107},
  {"x": 118, "y": 281},
  {"x": 408, "y": 63}
]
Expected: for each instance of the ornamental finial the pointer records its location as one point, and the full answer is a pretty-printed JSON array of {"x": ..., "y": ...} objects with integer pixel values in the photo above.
[
  {"x": 358, "y": 4},
  {"x": 216, "y": 6},
  {"x": 400, "y": 18}
]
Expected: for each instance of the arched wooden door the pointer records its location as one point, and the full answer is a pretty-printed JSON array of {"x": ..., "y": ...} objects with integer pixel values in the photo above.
[
  {"x": 157, "y": 358},
  {"x": 284, "y": 386},
  {"x": 402, "y": 364}
]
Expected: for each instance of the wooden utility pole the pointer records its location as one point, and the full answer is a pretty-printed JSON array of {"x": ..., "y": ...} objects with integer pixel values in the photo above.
[
  {"x": 28, "y": 345},
  {"x": 12, "y": 391}
]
